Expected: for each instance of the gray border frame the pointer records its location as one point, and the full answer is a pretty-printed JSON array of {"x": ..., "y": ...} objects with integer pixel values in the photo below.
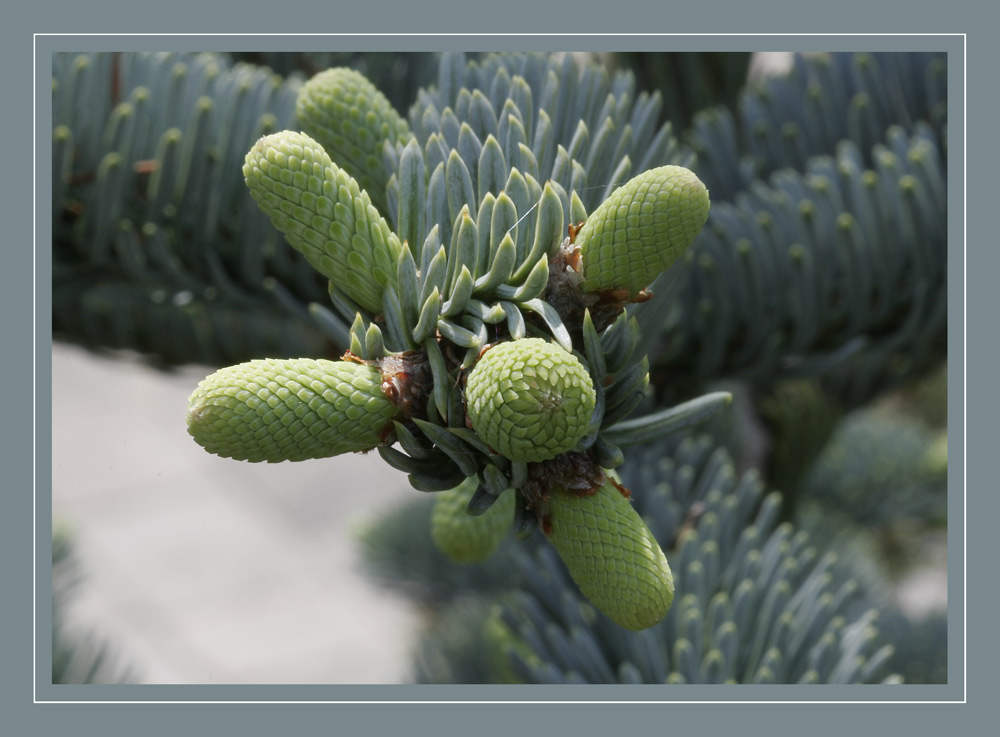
[{"x": 608, "y": 717}]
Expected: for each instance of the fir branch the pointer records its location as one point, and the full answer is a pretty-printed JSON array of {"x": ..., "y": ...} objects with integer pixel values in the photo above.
[
  {"x": 78, "y": 656},
  {"x": 148, "y": 195},
  {"x": 756, "y": 602},
  {"x": 577, "y": 126},
  {"x": 837, "y": 272},
  {"x": 781, "y": 122}
]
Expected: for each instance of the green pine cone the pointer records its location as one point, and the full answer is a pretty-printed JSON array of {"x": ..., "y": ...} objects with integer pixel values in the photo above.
[
  {"x": 641, "y": 229},
  {"x": 530, "y": 400},
  {"x": 352, "y": 120},
  {"x": 467, "y": 538},
  {"x": 324, "y": 214},
  {"x": 612, "y": 555},
  {"x": 290, "y": 410}
]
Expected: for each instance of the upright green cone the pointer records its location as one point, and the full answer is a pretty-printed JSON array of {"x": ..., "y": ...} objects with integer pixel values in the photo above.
[
  {"x": 324, "y": 214},
  {"x": 641, "y": 229},
  {"x": 290, "y": 410},
  {"x": 351, "y": 118},
  {"x": 530, "y": 400},
  {"x": 612, "y": 555}
]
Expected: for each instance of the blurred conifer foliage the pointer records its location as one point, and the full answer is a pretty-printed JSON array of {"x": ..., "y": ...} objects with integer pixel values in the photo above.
[{"x": 78, "y": 655}]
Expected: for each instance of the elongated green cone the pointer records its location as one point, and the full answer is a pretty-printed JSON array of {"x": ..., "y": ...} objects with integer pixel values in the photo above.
[
  {"x": 467, "y": 538},
  {"x": 352, "y": 120},
  {"x": 530, "y": 400},
  {"x": 290, "y": 410},
  {"x": 612, "y": 555},
  {"x": 641, "y": 229},
  {"x": 324, "y": 214}
]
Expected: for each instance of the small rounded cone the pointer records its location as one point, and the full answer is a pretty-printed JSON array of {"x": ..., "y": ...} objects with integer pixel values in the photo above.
[{"x": 530, "y": 400}]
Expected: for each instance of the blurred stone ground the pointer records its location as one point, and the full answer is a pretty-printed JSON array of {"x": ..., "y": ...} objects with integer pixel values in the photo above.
[{"x": 204, "y": 570}]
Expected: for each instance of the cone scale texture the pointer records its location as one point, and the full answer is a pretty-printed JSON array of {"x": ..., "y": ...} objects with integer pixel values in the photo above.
[
  {"x": 352, "y": 120},
  {"x": 641, "y": 229},
  {"x": 530, "y": 400},
  {"x": 611, "y": 555},
  {"x": 324, "y": 214},
  {"x": 290, "y": 410}
]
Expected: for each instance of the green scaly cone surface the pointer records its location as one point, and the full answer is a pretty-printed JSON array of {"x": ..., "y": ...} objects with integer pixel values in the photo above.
[
  {"x": 530, "y": 400},
  {"x": 324, "y": 214},
  {"x": 351, "y": 119},
  {"x": 467, "y": 538},
  {"x": 611, "y": 555},
  {"x": 641, "y": 229},
  {"x": 290, "y": 410}
]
